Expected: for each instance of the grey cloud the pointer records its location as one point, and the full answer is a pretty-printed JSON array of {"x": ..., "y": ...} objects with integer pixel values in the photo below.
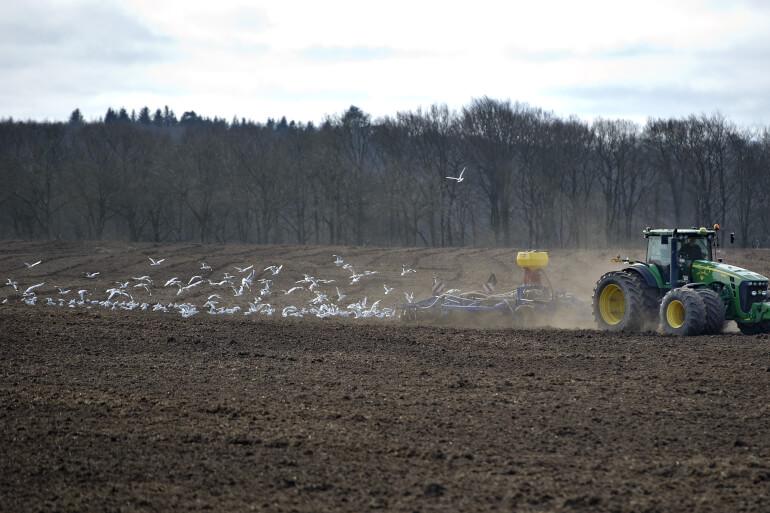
[
  {"x": 564, "y": 54},
  {"x": 348, "y": 53},
  {"x": 739, "y": 105},
  {"x": 32, "y": 35}
]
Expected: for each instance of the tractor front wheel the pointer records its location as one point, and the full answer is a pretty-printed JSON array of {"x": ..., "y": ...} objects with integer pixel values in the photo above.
[
  {"x": 715, "y": 311},
  {"x": 683, "y": 312}
]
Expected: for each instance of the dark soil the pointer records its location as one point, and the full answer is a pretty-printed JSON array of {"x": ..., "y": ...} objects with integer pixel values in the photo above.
[{"x": 120, "y": 411}]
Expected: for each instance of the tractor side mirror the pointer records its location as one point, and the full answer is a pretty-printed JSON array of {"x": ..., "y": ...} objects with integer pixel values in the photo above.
[{"x": 732, "y": 237}]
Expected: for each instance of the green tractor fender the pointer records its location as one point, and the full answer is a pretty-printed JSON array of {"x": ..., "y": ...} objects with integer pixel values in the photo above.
[{"x": 650, "y": 274}]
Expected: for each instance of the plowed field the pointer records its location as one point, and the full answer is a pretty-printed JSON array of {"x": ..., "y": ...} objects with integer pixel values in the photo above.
[{"x": 104, "y": 410}]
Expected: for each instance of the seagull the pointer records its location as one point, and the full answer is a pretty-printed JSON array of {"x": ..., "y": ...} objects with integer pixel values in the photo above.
[
  {"x": 82, "y": 293},
  {"x": 458, "y": 178},
  {"x": 14, "y": 284},
  {"x": 338, "y": 260},
  {"x": 340, "y": 295},
  {"x": 319, "y": 298},
  {"x": 275, "y": 269},
  {"x": 33, "y": 287},
  {"x": 63, "y": 291},
  {"x": 91, "y": 276},
  {"x": 388, "y": 290},
  {"x": 122, "y": 285},
  {"x": 194, "y": 278},
  {"x": 349, "y": 267},
  {"x": 154, "y": 262},
  {"x": 293, "y": 289},
  {"x": 30, "y": 266},
  {"x": 243, "y": 269},
  {"x": 173, "y": 281},
  {"x": 142, "y": 278},
  {"x": 409, "y": 297},
  {"x": 205, "y": 266},
  {"x": 405, "y": 270}
]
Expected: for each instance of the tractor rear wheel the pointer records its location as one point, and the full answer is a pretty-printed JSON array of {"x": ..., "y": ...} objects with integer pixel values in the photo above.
[
  {"x": 715, "y": 311},
  {"x": 683, "y": 312},
  {"x": 619, "y": 303},
  {"x": 754, "y": 328}
]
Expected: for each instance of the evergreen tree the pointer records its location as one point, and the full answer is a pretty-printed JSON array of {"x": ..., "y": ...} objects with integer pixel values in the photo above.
[
  {"x": 144, "y": 116},
  {"x": 76, "y": 118}
]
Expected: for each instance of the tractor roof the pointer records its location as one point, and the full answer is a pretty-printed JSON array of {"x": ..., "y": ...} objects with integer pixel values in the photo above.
[{"x": 687, "y": 232}]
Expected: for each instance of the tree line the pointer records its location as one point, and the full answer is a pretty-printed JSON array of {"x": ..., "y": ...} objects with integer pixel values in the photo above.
[{"x": 532, "y": 179}]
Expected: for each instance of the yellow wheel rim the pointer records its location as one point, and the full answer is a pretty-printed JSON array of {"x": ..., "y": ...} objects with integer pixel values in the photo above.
[
  {"x": 675, "y": 314},
  {"x": 612, "y": 304}
]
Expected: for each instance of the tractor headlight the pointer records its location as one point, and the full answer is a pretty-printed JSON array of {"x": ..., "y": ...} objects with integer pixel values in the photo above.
[{"x": 753, "y": 292}]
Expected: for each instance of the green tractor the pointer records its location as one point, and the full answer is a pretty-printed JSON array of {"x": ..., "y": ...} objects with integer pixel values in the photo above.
[{"x": 682, "y": 288}]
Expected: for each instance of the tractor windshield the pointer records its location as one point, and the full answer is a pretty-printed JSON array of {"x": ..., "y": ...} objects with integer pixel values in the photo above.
[{"x": 695, "y": 248}]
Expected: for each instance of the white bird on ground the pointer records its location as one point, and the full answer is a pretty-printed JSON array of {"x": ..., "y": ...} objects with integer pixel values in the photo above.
[
  {"x": 205, "y": 266},
  {"x": 405, "y": 270},
  {"x": 91, "y": 276},
  {"x": 388, "y": 290},
  {"x": 338, "y": 261},
  {"x": 12, "y": 283},
  {"x": 243, "y": 269},
  {"x": 293, "y": 289},
  {"x": 33, "y": 287},
  {"x": 82, "y": 293},
  {"x": 275, "y": 269},
  {"x": 30, "y": 266},
  {"x": 458, "y": 178},
  {"x": 154, "y": 262},
  {"x": 340, "y": 295},
  {"x": 409, "y": 297}
]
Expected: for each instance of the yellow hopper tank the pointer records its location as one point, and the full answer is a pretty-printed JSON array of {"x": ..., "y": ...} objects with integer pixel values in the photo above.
[{"x": 532, "y": 259}]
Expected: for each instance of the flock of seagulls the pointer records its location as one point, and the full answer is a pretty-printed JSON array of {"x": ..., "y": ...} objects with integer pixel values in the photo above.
[{"x": 311, "y": 295}]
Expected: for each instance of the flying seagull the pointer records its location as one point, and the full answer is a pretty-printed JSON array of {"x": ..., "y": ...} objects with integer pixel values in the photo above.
[
  {"x": 91, "y": 276},
  {"x": 275, "y": 269},
  {"x": 30, "y": 266},
  {"x": 154, "y": 262},
  {"x": 458, "y": 178}
]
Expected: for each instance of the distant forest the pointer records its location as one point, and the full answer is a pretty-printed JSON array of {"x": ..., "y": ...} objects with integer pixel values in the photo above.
[{"x": 531, "y": 179}]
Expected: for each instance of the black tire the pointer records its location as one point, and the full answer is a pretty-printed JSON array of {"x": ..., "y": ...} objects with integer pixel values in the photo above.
[
  {"x": 682, "y": 312},
  {"x": 754, "y": 328},
  {"x": 618, "y": 302},
  {"x": 715, "y": 311}
]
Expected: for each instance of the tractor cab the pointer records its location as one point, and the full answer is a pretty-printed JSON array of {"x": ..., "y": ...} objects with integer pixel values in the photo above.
[{"x": 671, "y": 252}]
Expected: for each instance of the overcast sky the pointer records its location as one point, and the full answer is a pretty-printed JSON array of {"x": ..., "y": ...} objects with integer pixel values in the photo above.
[{"x": 309, "y": 59}]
